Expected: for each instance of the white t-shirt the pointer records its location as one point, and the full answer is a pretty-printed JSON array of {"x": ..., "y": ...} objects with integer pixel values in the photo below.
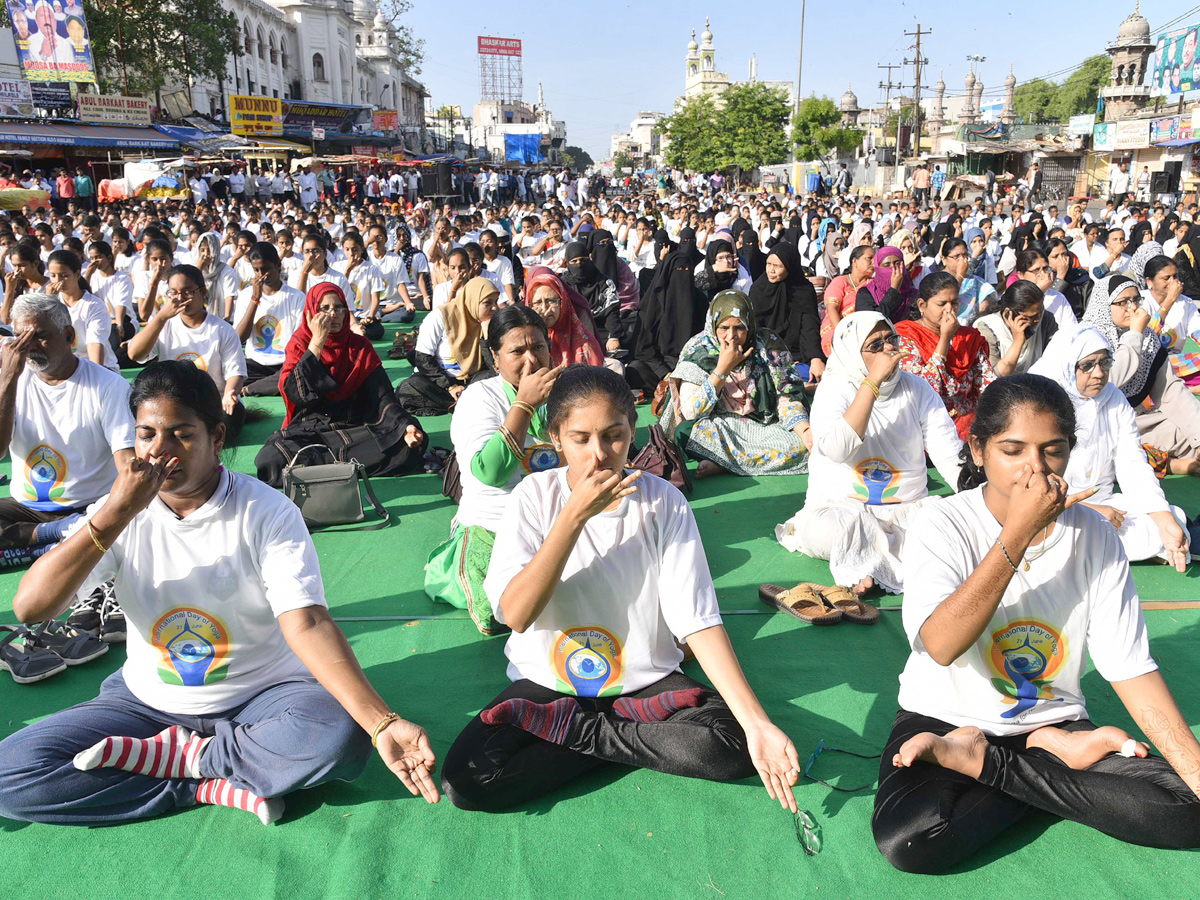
[
  {"x": 276, "y": 319},
  {"x": 1183, "y": 320},
  {"x": 201, "y": 596},
  {"x": 888, "y": 465},
  {"x": 365, "y": 279},
  {"x": 213, "y": 347},
  {"x": 221, "y": 287},
  {"x": 502, "y": 268},
  {"x": 1077, "y": 599},
  {"x": 116, "y": 290},
  {"x": 93, "y": 325},
  {"x": 1057, "y": 304},
  {"x": 392, "y": 271},
  {"x": 480, "y": 412},
  {"x": 64, "y": 437},
  {"x": 636, "y": 580}
]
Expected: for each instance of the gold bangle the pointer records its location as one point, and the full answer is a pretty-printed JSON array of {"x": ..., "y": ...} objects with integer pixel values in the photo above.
[
  {"x": 95, "y": 537},
  {"x": 872, "y": 385},
  {"x": 383, "y": 723},
  {"x": 527, "y": 407}
]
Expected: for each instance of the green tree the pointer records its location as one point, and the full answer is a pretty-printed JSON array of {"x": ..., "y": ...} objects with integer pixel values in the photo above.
[
  {"x": 1043, "y": 101},
  {"x": 161, "y": 43},
  {"x": 818, "y": 133},
  {"x": 620, "y": 160},
  {"x": 409, "y": 47},
  {"x": 581, "y": 159},
  {"x": 753, "y": 123},
  {"x": 1031, "y": 101},
  {"x": 693, "y": 135}
]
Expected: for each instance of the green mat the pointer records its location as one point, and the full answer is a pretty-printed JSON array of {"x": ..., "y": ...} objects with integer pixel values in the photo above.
[{"x": 618, "y": 833}]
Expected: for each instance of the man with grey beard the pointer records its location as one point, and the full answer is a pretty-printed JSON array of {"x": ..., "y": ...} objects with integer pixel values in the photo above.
[{"x": 64, "y": 420}]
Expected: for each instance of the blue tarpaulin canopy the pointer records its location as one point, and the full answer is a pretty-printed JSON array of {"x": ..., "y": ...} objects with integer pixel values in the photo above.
[
  {"x": 523, "y": 148},
  {"x": 1179, "y": 142},
  {"x": 69, "y": 134}
]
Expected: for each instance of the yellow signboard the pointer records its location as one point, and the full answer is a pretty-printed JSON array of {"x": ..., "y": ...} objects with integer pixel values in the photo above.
[{"x": 255, "y": 116}]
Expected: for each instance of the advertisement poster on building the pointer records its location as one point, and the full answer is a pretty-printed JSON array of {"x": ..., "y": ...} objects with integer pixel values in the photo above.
[
  {"x": 1166, "y": 129},
  {"x": 1132, "y": 135},
  {"x": 112, "y": 109},
  {"x": 385, "y": 120},
  {"x": 1174, "y": 67},
  {"x": 52, "y": 40},
  {"x": 1081, "y": 126},
  {"x": 16, "y": 99},
  {"x": 252, "y": 116},
  {"x": 52, "y": 94},
  {"x": 363, "y": 150},
  {"x": 1104, "y": 137}
]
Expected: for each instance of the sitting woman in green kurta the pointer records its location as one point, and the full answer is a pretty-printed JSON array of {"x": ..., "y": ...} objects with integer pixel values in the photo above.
[
  {"x": 740, "y": 386},
  {"x": 499, "y": 436}
]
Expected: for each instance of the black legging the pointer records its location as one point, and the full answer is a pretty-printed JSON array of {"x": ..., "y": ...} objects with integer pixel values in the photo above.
[
  {"x": 928, "y": 819},
  {"x": 492, "y": 767},
  {"x": 261, "y": 381}
]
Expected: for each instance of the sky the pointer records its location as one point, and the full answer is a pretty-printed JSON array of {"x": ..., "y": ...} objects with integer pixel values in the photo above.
[{"x": 601, "y": 63}]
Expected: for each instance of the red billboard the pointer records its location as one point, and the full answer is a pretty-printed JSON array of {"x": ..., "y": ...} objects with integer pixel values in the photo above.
[{"x": 494, "y": 46}]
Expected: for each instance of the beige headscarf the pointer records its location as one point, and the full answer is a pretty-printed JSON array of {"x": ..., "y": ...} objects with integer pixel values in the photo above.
[
  {"x": 464, "y": 333},
  {"x": 846, "y": 362}
]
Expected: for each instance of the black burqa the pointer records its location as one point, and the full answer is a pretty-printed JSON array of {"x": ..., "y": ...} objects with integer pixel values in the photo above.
[
  {"x": 603, "y": 250},
  {"x": 671, "y": 313},
  {"x": 752, "y": 257},
  {"x": 601, "y": 294},
  {"x": 687, "y": 243},
  {"x": 709, "y": 281},
  {"x": 789, "y": 307}
]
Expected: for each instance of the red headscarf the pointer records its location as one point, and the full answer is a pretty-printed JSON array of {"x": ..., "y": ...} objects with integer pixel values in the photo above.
[
  {"x": 349, "y": 357},
  {"x": 570, "y": 339}
]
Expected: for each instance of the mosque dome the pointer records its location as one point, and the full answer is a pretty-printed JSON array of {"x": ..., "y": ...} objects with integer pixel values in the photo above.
[
  {"x": 365, "y": 10},
  {"x": 692, "y": 45},
  {"x": 1134, "y": 30},
  {"x": 380, "y": 21},
  {"x": 849, "y": 101},
  {"x": 941, "y": 84},
  {"x": 707, "y": 37}
]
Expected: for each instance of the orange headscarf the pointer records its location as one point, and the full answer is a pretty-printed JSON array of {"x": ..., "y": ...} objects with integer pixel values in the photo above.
[{"x": 570, "y": 340}]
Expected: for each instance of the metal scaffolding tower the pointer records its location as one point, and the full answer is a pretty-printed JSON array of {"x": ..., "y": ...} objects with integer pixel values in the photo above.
[{"x": 501, "y": 77}]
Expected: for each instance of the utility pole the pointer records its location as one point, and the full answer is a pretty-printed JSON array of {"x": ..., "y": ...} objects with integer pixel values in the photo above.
[
  {"x": 887, "y": 103},
  {"x": 917, "y": 62},
  {"x": 800, "y": 61}
]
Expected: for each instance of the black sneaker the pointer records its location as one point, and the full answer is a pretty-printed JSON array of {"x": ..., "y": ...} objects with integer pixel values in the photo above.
[
  {"x": 85, "y": 613},
  {"x": 100, "y": 615}
]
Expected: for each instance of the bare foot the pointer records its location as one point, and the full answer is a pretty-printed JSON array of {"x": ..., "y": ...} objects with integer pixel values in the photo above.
[
  {"x": 960, "y": 750},
  {"x": 1082, "y": 749},
  {"x": 706, "y": 468},
  {"x": 1187, "y": 465},
  {"x": 865, "y": 585}
]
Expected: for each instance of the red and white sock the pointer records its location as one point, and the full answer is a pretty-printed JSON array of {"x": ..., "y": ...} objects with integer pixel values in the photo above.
[
  {"x": 219, "y": 792},
  {"x": 173, "y": 753}
]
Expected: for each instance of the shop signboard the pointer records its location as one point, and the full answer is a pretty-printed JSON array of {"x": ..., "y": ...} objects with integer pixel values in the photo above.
[
  {"x": 1081, "y": 126},
  {"x": 16, "y": 99},
  {"x": 113, "y": 109},
  {"x": 1104, "y": 137},
  {"x": 1133, "y": 134},
  {"x": 252, "y": 116}
]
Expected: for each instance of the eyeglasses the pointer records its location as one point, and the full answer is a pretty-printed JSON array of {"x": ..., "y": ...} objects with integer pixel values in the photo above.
[
  {"x": 808, "y": 832},
  {"x": 821, "y": 748},
  {"x": 545, "y": 304},
  {"x": 1131, "y": 304},
  {"x": 1039, "y": 270},
  {"x": 1105, "y": 363},
  {"x": 185, "y": 293},
  {"x": 724, "y": 257},
  {"x": 955, "y": 256},
  {"x": 877, "y": 345}
]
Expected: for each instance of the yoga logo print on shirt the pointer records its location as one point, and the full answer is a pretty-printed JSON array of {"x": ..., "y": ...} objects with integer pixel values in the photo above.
[
  {"x": 540, "y": 458},
  {"x": 587, "y": 660},
  {"x": 266, "y": 335},
  {"x": 194, "y": 358},
  {"x": 1026, "y": 654},
  {"x": 354, "y": 295},
  {"x": 44, "y": 475},
  {"x": 878, "y": 482},
  {"x": 194, "y": 646}
]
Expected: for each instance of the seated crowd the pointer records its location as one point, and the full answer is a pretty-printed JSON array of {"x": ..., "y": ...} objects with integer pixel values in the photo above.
[{"x": 1039, "y": 365}]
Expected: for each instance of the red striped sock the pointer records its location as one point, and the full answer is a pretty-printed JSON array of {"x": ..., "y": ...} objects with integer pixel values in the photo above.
[
  {"x": 219, "y": 792},
  {"x": 658, "y": 708},
  {"x": 172, "y": 753},
  {"x": 549, "y": 721}
]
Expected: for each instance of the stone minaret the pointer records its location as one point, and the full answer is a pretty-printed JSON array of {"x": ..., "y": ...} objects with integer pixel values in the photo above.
[{"x": 1008, "y": 115}]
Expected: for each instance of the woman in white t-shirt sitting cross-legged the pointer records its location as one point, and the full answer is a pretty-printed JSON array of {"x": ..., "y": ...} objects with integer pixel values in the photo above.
[
  {"x": 238, "y": 687},
  {"x": 1011, "y": 585},
  {"x": 600, "y": 573}
]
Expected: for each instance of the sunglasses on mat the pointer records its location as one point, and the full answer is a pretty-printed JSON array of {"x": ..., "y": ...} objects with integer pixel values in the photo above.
[{"x": 813, "y": 759}]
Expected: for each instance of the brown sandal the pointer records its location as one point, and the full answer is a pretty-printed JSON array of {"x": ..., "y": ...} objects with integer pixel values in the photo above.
[
  {"x": 848, "y": 603},
  {"x": 802, "y": 601}
]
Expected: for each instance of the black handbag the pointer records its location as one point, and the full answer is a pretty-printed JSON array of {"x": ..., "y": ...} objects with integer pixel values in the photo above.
[{"x": 329, "y": 494}]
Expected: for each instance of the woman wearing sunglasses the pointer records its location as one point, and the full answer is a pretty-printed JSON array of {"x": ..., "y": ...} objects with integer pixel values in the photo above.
[
  {"x": 1170, "y": 429},
  {"x": 872, "y": 426},
  {"x": 1108, "y": 451}
]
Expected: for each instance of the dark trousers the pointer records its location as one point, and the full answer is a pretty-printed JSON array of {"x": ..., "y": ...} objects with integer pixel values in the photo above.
[
  {"x": 492, "y": 767},
  {"x": 18, "y": 522},
  {"x": 928, "y": 819},
  {"x": 290, "y": 736},
  {"x": 261, "y": 381}
]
